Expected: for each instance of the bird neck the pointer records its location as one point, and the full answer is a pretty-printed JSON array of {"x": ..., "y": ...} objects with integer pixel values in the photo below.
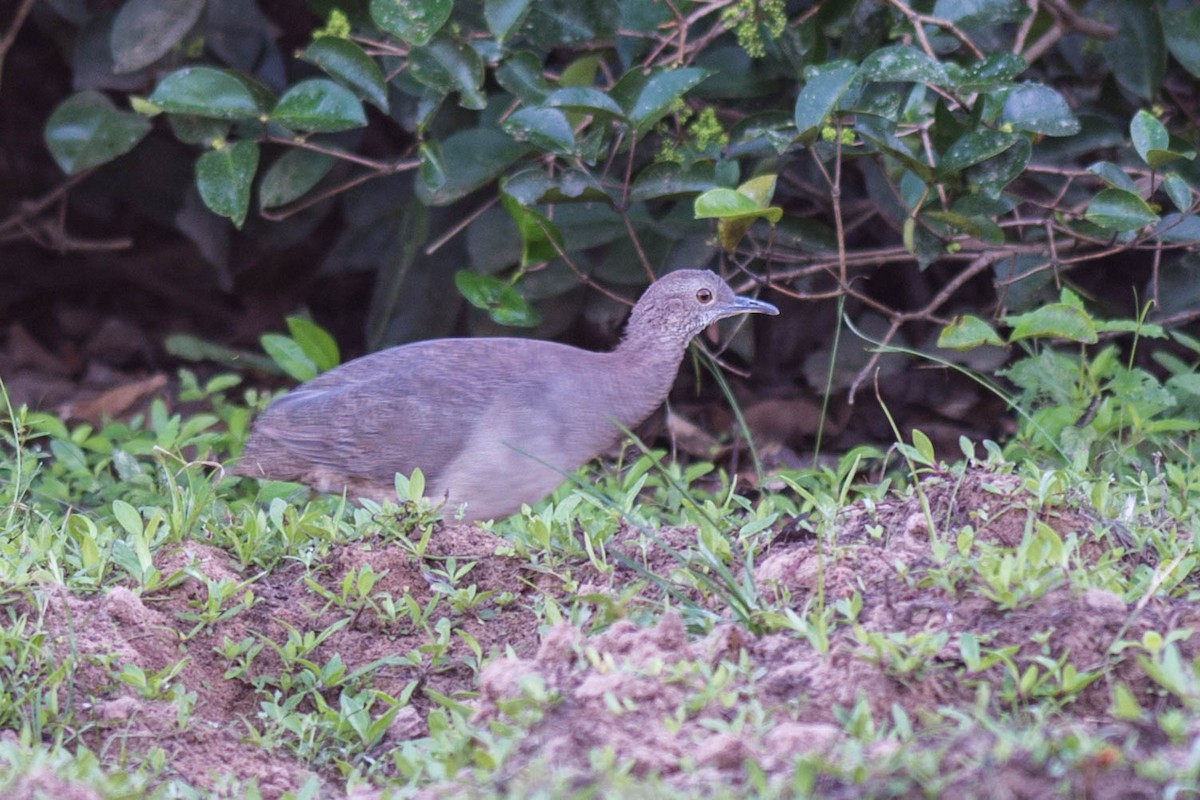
[{"x": 644, "y": 368}]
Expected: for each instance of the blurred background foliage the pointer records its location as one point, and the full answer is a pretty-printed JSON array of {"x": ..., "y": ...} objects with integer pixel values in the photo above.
[{"x": 927, "y": 171}]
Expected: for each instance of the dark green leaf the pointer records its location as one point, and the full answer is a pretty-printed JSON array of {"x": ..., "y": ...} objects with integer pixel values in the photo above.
[
  {"x": 223, "y": 178},
  {"x": 521, "y": 75},
  {"x": 824, "y": 87},
  {"x": 319, "y": 105},
  {"x": 667, "y": 179},
  {"x": 1054, "y": 321},
  {"x": 968, "y": 332},
  {"x": 541, "y": 241},
  {"x": 1148, "y": 134},
  {"x": 646, "y": 98},
  {"x": 1038, "y": 109},
  {"x": 993, "y": 72},
  {"x": 504, "y": 304},
  {"x": 448, "y": 65},
  {"x": 287, "y": 353},
  {"x": 979, "y": 13},
  {"x": 995, "y": 173},
  {"x": 207, "y": 92},
  {"x": 1177, "y": 189},
  {"x": 86, "y": 129},
  {"x": 504, "y": 16},
  {"x": 532, "y": 186},
  {"x": 1119, "y": 210},
  {"x": 1137, "y": 55},
  {"x": 348, "y": 63},
  {"x": 902, "y": 63},
  {"x": 584, "y": 98},
  {"x": 198, "y": 130},
  {"x": 291, "y": 176},
  {"x": 414, "y": 21},
  {"x": 468, "y": 160},
  {"x": 547, "y": 128},
  {"x": 975, "y": 147},
  {"x": 316, "y": 343},
  {"x": 1182, "y": 29},
  {"x": 1178, "y": 229},
  {"x": 981, "y": 228},
  {"x": 145, "y": 30},
  {"x": 1113, "y": 175}
]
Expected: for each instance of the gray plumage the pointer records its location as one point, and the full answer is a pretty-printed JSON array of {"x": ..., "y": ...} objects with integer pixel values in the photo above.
[{"x": 479, "y": 416}]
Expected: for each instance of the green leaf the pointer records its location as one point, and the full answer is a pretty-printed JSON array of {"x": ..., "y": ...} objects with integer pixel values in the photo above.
[
  {"x": 967, "y": 332},
  {"x": 1182, "y": 29},
  {"x": 349, "y": 64},
  {"x": 1178, "y": 229},
  {"x": 414, "y": 21},
  {"x": 223, "y": 178},
  {"x": 504, "y": 304},
  {"x": 287, "y": 353},
  {"x": 521, "y": 75},
  {"x": 1053, "y": 321},
  {"x": 993, "y": 72},
  {"x": 664, "y": 179},
  {"x": 1148, "y": 135},
  {"x": 207, "y": 92},
  {"x": 146, "y": 30},
  {"x": 979, "y": 13},
  {"x": 291, "y": 176},
  {"x": 532, "y": 186},
  {"x": 319, "y": 105},
  {"x": 1119, "y": 210},
  {"x": 316, "y": 343},
  {"x": 128, "y": 518},
  {"x": 547, "y": 128},
  {"x": 1113, "y": 175},
  {"x": 86, "y": 129},
  {"x": 995, "y": 173},
  {"x": 824, "y": 86},
  {"x": 448, "y": 65},
  {"x": 584, "y": 98},
  {"x": 1177, "y": 189},
  {"x": 902, "y": 63},
  {"x": 1137, "y": 55},
  {"x": 504, "y": 16},
  {"x": 201, "y": 131},
  {"x": 1038, "y": 109},
  {"x": 975, "y": 147},
  {"x": 465, "y": 161},
  {"x": 736, "y": 210},
  {"x": 647, "y": 98},
  {"x": 541, "y": 240}
]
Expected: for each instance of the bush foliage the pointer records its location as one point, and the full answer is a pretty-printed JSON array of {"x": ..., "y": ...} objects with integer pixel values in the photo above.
[{"x": 525, "y": 149}]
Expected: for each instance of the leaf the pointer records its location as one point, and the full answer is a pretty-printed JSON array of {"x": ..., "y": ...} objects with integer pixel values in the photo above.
[
  {"x": 504, "y": 16},
  {"x": 1113, "y": 175},
  {"x": 647, "y": 98},
  {"x": 223, "y": 178},
  {"x": 977, "y": 13},
  {"x": 448, "y": 65},
  {"x": 1038, "y": 109},
  {"x": 289, "y": 356},
  {"x": 995, "y": 173},
  {"x": 1177, "y": 189},
  {"x": 736, "y": 210},
  {"x": 291, "y": 176},
  {"x": 975, "y": 147},
  {"x": 993, "y": 72},
  {"x": 664, "y": 179},
  {"x": 349, "y": 64},
  {"x": 967, "y": 332},
  {"x": 1119, "y": 210},
  {"x": 1054, "y": 321},
  {"x": 414, "y": 21},
  {"x": 541, "y": 240},
  {"x": 902, "y": 63},
  {"x": 128, "y": 518},
  {"x": 504, "y": 304},
  {"x": 823, "y": 88},
  {"x": 1181, "y": 26},
  {"x": 1148, "y": 135},
  {"x": 521, "y": 74},
  {"x": 584, "y": 98},
  {"x": 466, "y": 161},
  {"x": 1178, "y": 229},
  {"x": 86, "y": 130},
  {"x": 547, "y": 128},
  {"x": 207, "y": 92},
  {"x": 1137, "y": 56},
  {"x": 146, "y": 30},
  {"x": 319, "y": 105},
  {"x": 316, "y": 343},
  {"x": 532, "y": 186}
]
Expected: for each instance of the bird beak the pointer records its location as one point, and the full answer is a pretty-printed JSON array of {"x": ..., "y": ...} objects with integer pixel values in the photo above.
[{"x": 748, "y": 305}]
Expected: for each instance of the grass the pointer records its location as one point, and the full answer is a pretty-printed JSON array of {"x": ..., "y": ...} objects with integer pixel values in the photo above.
[{"x": 882, "y": 626}]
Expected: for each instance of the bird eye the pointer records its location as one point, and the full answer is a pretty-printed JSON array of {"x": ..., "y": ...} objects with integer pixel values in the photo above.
[{"x": 704, "y": 295}]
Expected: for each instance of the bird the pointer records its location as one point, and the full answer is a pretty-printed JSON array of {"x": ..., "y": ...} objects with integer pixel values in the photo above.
[{"x": 493, "y": 423}]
